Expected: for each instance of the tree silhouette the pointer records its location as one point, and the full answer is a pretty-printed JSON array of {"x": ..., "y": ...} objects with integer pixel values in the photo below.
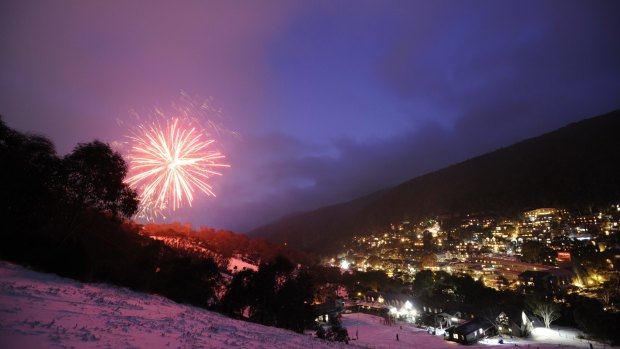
[
  {"x": 294, "y": 303},
  {"x": 238, "y": 295},
  {"x": 278, "y": 294},
  {"x": 93, "y": 178},
  {"x": 190, "y": 279},
  {"x": 423, "y": 283},
  {"x": 546, "y": 311},
  {"x": 29, "y": 164}
]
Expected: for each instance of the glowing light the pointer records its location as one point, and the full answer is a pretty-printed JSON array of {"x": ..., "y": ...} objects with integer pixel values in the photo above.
[
  {"x": 168, "y": 164},
  {"x": 344, "y": 264},
  {"x": 542, "y": 333}
]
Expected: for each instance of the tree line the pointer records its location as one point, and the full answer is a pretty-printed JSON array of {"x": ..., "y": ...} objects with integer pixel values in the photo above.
[
  {"x": 228, "y": 244},
  {"x": 70, "y": 215}
]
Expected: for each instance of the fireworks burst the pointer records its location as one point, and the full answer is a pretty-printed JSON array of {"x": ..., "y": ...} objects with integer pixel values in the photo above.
[{"x": 168, "y": 164}]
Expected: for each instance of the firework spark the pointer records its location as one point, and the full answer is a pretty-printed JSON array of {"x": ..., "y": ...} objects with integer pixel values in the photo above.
[{"x": 169, "y": 164}]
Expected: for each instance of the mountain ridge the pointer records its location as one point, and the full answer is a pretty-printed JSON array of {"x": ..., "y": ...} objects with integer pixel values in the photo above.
[{"x": 573, "y": 167}]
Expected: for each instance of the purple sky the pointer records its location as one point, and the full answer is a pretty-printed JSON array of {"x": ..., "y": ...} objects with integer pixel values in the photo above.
[{"x": 333, "y": 99}]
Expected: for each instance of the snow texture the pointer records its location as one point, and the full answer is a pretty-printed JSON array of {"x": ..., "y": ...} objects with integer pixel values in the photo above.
[
  {"x": 46, "y": 311},
  {"x": 236, "y": 265},
  {"x": 374, "y": 334}
]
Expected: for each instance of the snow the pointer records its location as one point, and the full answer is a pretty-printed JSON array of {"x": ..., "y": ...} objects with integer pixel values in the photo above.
[
  {"x": 46, "y": 311},
  {"x": 236, "y": 265},
  {"x": 373, "y": 334}
]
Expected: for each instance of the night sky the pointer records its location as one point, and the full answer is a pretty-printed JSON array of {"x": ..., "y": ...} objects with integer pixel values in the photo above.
[{"x": 332, "y": 99}]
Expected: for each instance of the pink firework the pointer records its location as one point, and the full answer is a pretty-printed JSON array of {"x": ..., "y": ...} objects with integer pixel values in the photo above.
[{"x": 169, "y": 164}]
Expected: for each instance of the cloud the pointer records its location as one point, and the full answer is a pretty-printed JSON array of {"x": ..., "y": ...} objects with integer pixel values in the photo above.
[
  {"x": 84, "y": 64},
  {"x": 509, "y": 71},
  {"x": 333, "y": 100},
  {"x": 307, "y": 176}
]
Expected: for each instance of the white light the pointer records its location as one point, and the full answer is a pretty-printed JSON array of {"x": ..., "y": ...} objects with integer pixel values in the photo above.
[
  {"x": 539, "y": 332},
  {"x": 408, "y": 305},
  {"x": 344, "y": 264},
  {"x": 392, "y": 310}
]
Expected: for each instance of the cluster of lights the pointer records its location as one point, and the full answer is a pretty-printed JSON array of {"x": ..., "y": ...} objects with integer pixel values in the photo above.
[
  {"x": 393, "y": 251},
  {"x": 406, "y": 311}
]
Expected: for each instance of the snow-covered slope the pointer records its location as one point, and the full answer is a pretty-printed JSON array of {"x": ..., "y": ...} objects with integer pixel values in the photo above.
[
  {"x": 372, "y": 333},
  {"x": 46, "y": 311}
]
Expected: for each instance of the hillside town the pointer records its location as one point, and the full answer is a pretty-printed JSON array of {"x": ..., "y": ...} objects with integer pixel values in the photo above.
[
  {"x": 549, "y": 256},
  {"x": 548, "y": 251},
  {"x": 546, "y": 255}
]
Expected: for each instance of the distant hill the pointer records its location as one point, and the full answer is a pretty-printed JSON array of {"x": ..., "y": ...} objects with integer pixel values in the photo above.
[
  {"x": 221, "y": 245},
  {"x": 575, "y": 167}
]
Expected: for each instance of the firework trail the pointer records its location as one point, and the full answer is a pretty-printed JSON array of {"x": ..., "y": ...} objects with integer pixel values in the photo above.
[{"x": 170, "y": 161}]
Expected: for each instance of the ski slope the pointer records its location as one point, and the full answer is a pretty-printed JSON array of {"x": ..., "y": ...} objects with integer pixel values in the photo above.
[
  {"x": 46, "y": 311},
  {"x": 40, "y": 310}
]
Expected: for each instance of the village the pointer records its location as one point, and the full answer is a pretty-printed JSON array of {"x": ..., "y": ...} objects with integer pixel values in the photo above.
[
  {"x": 547, "y": 250},
  {"x": 384, "y": 320},
  {"x": 534, "y": 267}
]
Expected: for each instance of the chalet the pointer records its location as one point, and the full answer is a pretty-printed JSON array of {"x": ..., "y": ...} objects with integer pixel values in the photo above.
[
  {"x": 443, "y": 316},
  {"x": 449, "y": 318},
  {"x": 470, "y": 331}
]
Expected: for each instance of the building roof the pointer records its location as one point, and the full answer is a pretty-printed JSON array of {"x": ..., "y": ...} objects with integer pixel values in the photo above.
[
  {"x": 390, "y": 296},
  {"x": 471, "y": 326}
]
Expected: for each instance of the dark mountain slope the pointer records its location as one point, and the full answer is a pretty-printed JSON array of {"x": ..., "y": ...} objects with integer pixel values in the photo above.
[
  {"x": 307, "y": 226},
  {"x": 577, "y": 166}
]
